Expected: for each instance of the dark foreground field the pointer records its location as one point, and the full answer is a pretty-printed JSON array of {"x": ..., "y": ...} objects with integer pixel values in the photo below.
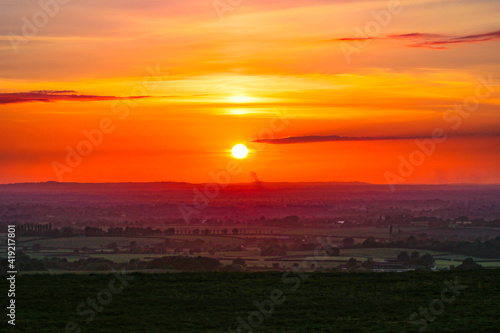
[{"x": 224, "y": 302}]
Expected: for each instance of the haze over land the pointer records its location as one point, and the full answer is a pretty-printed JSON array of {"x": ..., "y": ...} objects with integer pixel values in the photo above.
[{"x": 253, "y": 200}]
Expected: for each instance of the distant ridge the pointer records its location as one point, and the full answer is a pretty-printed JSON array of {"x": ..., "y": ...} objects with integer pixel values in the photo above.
[{"x": 282, "y": 193}]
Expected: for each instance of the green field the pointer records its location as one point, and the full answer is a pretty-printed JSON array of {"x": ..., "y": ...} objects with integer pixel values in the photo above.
[
  {"x": 381, "y": 253},
  {"x": 96, "y": 242},
  {"x": 213, "y": 302},
  {"x": 363, "y": 254},
  {"x": 457, "y": 260},
  {"x": 63, "y": 248},
  {"x": 91, "y": 242},
  {"x": 361, "y": 232}
]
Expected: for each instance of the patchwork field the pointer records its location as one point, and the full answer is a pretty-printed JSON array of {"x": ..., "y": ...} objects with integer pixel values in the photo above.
[
  {"x": 70, "y": 248},
  {"x": 361, "y": 232},
  {"x": 96, "y": 242}
]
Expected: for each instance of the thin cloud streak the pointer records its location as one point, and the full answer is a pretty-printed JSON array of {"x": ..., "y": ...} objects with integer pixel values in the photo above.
[
  {"x": 331, "y": 138},
  {"x": 338, "y": 138},
  {"x": 415, "y": 35},
  {"x": 440, "y": 44},
  {"x": 427, "y": 40},
  {"x": 48, "y": 96}
]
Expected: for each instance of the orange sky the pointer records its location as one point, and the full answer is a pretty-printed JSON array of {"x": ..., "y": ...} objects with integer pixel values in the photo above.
[{"x": 209, "y": 79}]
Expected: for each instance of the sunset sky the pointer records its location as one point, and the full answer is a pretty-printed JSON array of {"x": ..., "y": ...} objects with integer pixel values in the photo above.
[{"x": 165, "y": 89}]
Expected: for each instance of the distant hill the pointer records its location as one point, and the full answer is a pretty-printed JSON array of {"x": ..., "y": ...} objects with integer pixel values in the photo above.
[{"x": 288, "y": 191}]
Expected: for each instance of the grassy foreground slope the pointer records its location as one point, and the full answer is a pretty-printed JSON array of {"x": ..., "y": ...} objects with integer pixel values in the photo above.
[{"x": 213, "y": 302}]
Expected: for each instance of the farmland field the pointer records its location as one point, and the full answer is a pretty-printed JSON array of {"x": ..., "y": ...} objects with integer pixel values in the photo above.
[
  {"x": 213, "y": 302},
  {"x": 463, "y": 232},
  {"x": 361, "y": 232},
  {"x": 381, "y": 253},
  {"x": 78, "y": 242},
  {"x": 65, "y": 248}
]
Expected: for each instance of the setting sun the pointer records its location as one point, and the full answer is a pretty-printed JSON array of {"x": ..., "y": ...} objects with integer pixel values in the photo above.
[{"x": 240, "y": 151}]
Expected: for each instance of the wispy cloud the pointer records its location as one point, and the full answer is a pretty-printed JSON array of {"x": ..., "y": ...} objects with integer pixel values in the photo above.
[
  {"x": 441, "y": 43},
  {"x": 48, "y": 96},
  {"x": 427, "y": 40},
  {"x": 338, "y": 138},
  {"x": 330, "y": 138},
  {"x": 353, "y": 39},
  {"x": 415, "y": 35}
]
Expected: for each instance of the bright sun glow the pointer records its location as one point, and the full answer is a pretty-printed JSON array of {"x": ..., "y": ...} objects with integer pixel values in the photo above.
[
  {"x": 240, "y": 151},
  {"x": 238, "y": 111},
  {"x": 240, "y": 99}
]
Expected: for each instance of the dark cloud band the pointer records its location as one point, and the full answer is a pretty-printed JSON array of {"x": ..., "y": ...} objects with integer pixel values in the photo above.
[
  {"x": 48, "y": 96},
  {"x": 337, "y": 138}
]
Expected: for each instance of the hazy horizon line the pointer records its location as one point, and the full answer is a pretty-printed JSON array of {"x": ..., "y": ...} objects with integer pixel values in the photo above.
[{"x": 241, "y": 183}]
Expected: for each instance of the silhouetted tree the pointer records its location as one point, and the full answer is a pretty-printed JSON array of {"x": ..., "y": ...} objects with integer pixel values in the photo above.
[
  {"x": 426, "y": 260},
  {"x": 370, "y": 242},
  {"x": 352, "y": 263},
  {"x": 348, "y": 241},
  {"x": 469, "y": 263},
  {"x": 239, "y": 261},
  {"x": 403, "y": 257},
  {"x": 368, "y": 264}
]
